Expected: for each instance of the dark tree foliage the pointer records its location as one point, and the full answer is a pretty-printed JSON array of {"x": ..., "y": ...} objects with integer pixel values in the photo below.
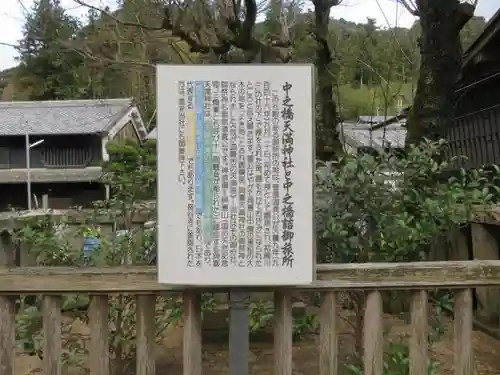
[
  {"x": 46, "y": 71},
  {"x": 441, "y": 61}
]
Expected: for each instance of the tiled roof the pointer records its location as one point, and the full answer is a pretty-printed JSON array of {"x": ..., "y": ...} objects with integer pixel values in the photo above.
[
  {"x": 490, "y": 32},
  {"x": 357, "y": 135},
  {"x": 375, "y": 119},
  {"x": 61, "y": 117}
]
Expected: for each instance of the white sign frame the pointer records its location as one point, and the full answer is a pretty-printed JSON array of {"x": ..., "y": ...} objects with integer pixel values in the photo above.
[{"x": 285, "y": 86}]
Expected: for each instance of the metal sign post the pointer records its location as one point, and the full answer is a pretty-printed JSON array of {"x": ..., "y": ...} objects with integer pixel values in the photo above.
[
  {"x": 239, "y": 331},
  {"x": 28, "y": 148}
]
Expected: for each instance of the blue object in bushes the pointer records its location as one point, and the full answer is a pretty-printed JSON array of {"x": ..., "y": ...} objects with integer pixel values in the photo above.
[{"x": 90, "y": 243}]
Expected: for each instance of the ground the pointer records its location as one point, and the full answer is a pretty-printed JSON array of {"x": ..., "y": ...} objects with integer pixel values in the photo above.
[{"x": 305, "y": 353}]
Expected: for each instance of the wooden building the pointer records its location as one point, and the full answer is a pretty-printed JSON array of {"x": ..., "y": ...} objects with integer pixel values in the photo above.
[
  {"x": 475, "y": 130},
  {"x": 67, "y": 147},
  {"x": 475, "y": 134},
  {"x": 364, "y": 135}
]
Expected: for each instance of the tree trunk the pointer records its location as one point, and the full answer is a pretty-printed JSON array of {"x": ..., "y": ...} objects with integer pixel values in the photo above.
[
  {"x": 440, "y": 67},
  {"x": 328, "y": 144}
]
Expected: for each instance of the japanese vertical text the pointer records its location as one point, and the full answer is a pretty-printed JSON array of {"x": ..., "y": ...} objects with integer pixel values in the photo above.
[{"x": 235, "y": 155}]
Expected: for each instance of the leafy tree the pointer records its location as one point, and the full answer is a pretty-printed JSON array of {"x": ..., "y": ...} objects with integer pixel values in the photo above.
[
  {"x": 131, "y": 171},
  {"x": 405, "y": 198},
  {"x": 113, "y": 54},
  {"x": 471, "y": 31},
  {"x": 46, "y": 71},
  {"x": 385, "y": 208},
  {"x": 226, "y": 33},
  {"x": 441, "y": 61},
  {"x": 359, "y": 193},
  {"x": 131, "y": 175}
]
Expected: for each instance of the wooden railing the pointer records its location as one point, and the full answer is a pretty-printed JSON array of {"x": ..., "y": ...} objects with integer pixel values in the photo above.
[{"x": 141, "y": 281}]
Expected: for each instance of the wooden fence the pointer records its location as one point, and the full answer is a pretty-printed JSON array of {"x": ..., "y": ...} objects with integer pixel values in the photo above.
[{"x": 141, "y": 281}]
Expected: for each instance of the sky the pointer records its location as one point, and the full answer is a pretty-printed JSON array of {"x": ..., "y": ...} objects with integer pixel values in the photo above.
[{"x": 386, "y": 12}]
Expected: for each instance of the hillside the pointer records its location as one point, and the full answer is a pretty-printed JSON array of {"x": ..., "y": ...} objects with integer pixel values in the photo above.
[
  {"x": 5, "y": 76},
  {"x": 374, "y": 66}
]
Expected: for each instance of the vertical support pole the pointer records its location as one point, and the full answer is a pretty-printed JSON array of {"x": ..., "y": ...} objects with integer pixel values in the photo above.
[
  {"x": 45, "y": 201},
  {"x": 28, "y": 170},
  {"x": 239, "y": 322}
]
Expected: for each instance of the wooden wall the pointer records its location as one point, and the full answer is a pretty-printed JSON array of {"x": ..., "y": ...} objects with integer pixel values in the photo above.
[
  {"x": 477, "y": 241},
  {"x": 127, "y": 132}
]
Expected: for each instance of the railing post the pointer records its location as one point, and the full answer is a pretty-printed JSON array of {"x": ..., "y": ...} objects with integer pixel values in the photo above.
[
  {"x": 373, "y": 335},
  {"x": 485, "y": 246},
  {"x": 52, "y": 340},
  {"x": 99, "y": 322},
  {"x": 418, "y": 340},
  {"x": 7, "y": 311},
  {"x": 7, "y": 335},
  {"x": 464, "y": 363},
  {"x": 283, "y": 326},
  {"x": 192, "y": 333},
  {"x": 146, "y": 334},
  {"x": 328, "y": 335}
]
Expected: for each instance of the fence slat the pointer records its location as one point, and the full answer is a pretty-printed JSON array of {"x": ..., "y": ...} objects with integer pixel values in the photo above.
[
  {"x": 52, "y": 335},
  {"x": 373, "y": 335},
  {"x": 7, "y": 309},
  {"x": 464, "y": 362},
  {"x": 418, "y": 339},
  {"x": 192, "y": 333},
  {"x": 146, "y": 334},
  {"x": 98, "y": 321},
  {"x": 283, "y": 326},
  {"x": 7, "y": 335},
  {"x": 328, "y": 335}
]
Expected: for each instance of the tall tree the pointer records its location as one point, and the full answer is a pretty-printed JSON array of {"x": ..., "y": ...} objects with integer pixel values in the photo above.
[
  {"x": 328, "y": 144},
  {"x": 46, "y": 71},
  {"x": 441, "y": 62},
  {"x": 225, "y": 32}
]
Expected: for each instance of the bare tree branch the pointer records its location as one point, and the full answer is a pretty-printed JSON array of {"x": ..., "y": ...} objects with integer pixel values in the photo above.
[
  {"x": 25, "y": 9},
  {"x": 393, "y": 32},
  {"x": 232, "y": 31},
  {"x": 112, "y": 16},
  {"x": 105, "y": 60},
  {"x": 410, "y": 6},
  {"x": 16, "y": 47}
]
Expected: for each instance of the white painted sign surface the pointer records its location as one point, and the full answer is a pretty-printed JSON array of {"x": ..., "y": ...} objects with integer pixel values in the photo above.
[{"x": 235, "y": 175}]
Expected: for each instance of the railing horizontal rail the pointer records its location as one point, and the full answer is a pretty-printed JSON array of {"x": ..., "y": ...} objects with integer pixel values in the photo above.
[
  {"x": 17, "y": 220},
  {"x": 143, "y": 280}
]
